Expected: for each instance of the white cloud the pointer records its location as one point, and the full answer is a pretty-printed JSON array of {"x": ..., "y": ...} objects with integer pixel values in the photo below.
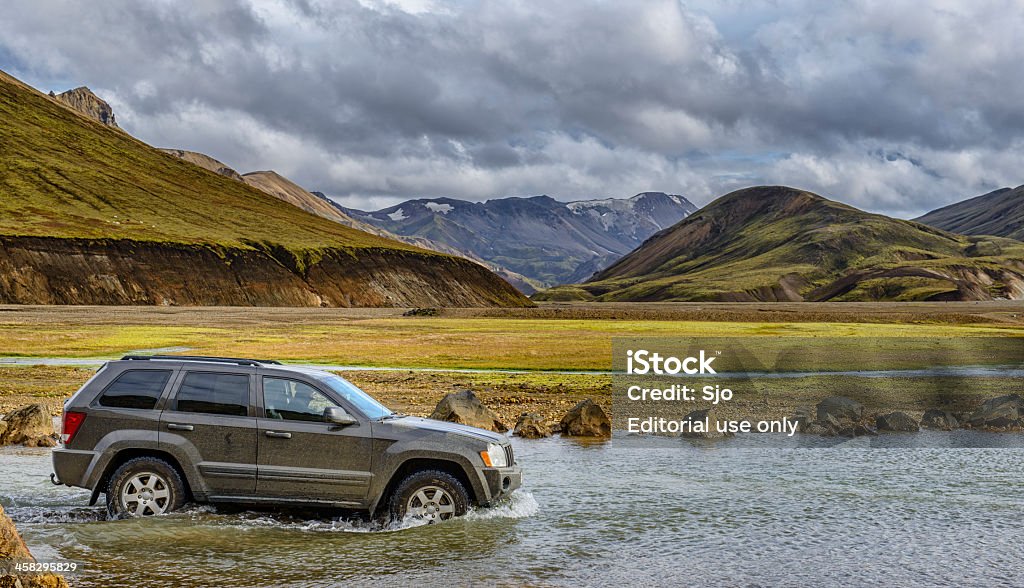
[{"x": 893, "y": 106}]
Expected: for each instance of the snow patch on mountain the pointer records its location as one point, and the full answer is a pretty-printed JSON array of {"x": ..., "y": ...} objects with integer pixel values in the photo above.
[{"x": 441, "y": 207}]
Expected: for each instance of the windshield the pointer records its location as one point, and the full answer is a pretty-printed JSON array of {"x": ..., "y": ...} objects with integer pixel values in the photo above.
[{"x": 361, "y": 400}]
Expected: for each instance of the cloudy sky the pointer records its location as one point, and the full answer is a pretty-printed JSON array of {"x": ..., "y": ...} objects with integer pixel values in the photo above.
[{"x": 895, "y": 107}]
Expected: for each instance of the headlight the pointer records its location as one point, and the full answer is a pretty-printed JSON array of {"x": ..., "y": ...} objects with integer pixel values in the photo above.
[{"x": 494, "y": 457}]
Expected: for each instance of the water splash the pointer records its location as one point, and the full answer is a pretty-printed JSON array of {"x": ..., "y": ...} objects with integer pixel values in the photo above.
[
  {"x": 51, "y": 514},
  {"x": 520, "y": 505}
]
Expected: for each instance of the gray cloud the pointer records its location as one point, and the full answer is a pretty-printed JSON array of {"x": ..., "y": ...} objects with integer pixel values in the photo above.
[{"x": 892, "y": 106}]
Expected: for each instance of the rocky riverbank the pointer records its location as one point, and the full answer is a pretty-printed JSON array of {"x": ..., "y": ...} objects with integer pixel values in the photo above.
[
  {"x": 545, "y": 398},
  {"x": 842, "y": 416}
]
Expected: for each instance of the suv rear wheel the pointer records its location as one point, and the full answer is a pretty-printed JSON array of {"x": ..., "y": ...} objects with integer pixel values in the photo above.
[
  {"x": 144, "y": 486},
  {"x": 429, "y": 494}
]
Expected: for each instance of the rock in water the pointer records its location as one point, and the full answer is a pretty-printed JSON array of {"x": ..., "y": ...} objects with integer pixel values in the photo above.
[
  {"x": 44, "y": 441},
  {"x": 465, "y": 408},
  {"x": 862, "y": 429},
  {"x": 532, "y": 426},
  {"x": 12, "y": 547},
  {"x": 840, "y": 408},
  {"x": 999, "y": 412},
  {"x": 942, "y": 420},
  {"x": 28, "y": 425},
  {"x": 586, "y": 419},
  {"x": 899, "y": 422},
  {"x": 803, "y": 417}
]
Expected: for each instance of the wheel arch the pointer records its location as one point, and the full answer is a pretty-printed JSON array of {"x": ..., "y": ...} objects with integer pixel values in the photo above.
[
  {"x": 418, "y": 464},
  {"x": 125, "y": 455}
]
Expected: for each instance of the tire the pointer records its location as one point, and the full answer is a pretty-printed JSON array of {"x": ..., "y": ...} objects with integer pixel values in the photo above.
[
  {"x": 144, "y": 486},
  {"x": 429, "y": 494}
]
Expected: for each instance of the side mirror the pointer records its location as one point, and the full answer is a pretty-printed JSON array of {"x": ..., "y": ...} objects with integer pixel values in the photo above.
[{"x": 338, "y": 416}]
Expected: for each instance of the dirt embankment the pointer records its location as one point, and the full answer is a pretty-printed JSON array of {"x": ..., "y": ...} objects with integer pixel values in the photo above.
[{"x": 76, "y": 271}]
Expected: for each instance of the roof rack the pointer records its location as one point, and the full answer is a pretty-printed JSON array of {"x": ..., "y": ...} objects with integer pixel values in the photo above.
[{"x": 202, "y": 358}]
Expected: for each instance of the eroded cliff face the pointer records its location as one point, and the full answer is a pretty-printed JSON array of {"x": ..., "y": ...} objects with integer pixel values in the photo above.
[
  {"x": 84, "y": 101},
  {"x": 40, "y": 270}
]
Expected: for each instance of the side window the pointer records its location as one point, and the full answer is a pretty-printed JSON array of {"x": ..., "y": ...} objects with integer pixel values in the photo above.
[
  {"x": 135, "y": 389},
  {"x": 213, "y": 393},
  {"x": 293, "y": 401}
]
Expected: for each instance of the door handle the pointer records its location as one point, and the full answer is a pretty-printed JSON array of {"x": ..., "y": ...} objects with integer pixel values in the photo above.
[
  {"x": 277, "y": 435},
  {"x": 177, "y": 427}
]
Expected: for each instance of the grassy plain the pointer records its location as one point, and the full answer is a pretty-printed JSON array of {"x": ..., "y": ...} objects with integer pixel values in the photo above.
[
  {"x": 564, "y": 337},
  {"x": 536, "y": 343}
]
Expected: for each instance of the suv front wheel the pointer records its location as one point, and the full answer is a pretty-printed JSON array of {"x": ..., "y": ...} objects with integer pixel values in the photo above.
[
  {"x": 431, "y": 495},
  {"x": 144, "y": 486}
]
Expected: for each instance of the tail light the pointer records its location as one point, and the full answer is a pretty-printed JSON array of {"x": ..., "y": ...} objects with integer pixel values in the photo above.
[{"x": 69, "y": 424}]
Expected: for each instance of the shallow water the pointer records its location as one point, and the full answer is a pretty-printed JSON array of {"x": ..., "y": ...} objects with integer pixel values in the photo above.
[{"x": 591, "y": 514}]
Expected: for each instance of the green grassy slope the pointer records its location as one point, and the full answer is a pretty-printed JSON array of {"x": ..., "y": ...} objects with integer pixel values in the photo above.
[
  {"x": 64, "y": 175},
  {"x": 778, "y": 243}
]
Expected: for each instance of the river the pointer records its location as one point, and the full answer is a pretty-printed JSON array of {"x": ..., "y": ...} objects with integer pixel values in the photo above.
[{"x": 590, "y": 514}]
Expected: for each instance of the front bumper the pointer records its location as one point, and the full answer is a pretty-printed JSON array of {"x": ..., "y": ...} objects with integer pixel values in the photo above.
[{"x": 500, "y": 482}]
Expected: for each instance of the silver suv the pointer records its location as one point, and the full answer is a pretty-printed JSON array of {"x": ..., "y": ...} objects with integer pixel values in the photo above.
[{"x": 155, "y": 432}]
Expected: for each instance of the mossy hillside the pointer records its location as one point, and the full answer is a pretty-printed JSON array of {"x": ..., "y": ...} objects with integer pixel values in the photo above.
[
  {"x": 63, "y": 175},
  {"x": 776, "y": 242}
]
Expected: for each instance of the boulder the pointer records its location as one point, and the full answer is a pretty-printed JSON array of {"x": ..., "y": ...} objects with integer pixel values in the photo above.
[
  {"x": 465, "y": 408},
  {"x": 939, "y": 419},
  {"x": 586, "y": 419},
  {"x": 840, "y": 408},
  {"x": 862, "y": 430},
  {"x": 818, "y": 429},
  {"x": 999, "y": 412},
  {"x": 834, "y": 423},
  {"x": 804, "y": 417},
  {"x": 532, "y": 426},
  {"x": 836, "y": 415},
  {"x": 12, "y": 547},
  {"x": 26, "y": 424},
  {"x": 44, "y": 441},
  {"x": 899, "y": 422}
]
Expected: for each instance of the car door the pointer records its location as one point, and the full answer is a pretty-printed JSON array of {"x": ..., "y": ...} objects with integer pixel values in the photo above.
[
  {"x": 301, "y": 456},
  {"x": 211, "y": 420}
]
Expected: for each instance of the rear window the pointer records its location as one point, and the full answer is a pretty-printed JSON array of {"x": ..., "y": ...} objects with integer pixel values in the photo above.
[
  {"x": 212, "y": 393},
  {"x": 135, "y": 389}
]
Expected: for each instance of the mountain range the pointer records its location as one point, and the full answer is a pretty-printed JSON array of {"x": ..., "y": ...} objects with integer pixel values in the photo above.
[
  {"x": 999, "y": 213},
  {"x": 758, "y": 244},
  {"x": 547, "y": 241},
  {"x": 532, "y": 243},
  {"x": 774, "y": 243},
  {"x": 91, "y": 215},
  {"x": 317, "y": 203}
]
